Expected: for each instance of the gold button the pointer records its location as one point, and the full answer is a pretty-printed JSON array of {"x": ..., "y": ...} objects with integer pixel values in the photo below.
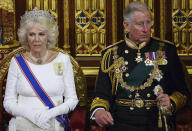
[
  {"x": 127, "y": 74},
  {"x": 139, "y": 103},
  {"x": 126, "y": 51},
  {"x": 148, "y": 95},
  {"x": 126, "y": 62}
]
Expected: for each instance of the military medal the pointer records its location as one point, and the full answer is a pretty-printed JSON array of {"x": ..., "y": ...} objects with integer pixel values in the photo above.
[
  {"x": 162, "y": 58},
  {"x": 137, "y": 46},
  {"x": 162, "y": 61},
  {"x": 138, "y": 59},
  {"x": 149, "y": 57},
  {"x": 59, "y": 68}
]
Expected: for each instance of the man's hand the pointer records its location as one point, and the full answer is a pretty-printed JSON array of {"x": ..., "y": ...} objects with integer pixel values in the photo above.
[
  {"x": 103, "y": 118},
  {"x": 164, "y": 98}
]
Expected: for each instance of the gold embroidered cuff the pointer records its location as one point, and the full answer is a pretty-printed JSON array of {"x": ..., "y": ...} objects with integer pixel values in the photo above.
[
  {"x": 179, "y": 100},
  {"x": 97, "y": 102}
]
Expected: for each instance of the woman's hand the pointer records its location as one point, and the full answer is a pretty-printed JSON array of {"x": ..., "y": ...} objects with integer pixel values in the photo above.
[
  {"x": 43, "y": 118},
  {"x": 34, "y": 116}
]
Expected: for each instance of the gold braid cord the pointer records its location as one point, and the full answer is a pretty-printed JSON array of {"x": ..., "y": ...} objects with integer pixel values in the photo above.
[
  {"x": 179, "y": 100},
  {"x": 97, "y": 102},
  {"x": 105, "y": 67}
]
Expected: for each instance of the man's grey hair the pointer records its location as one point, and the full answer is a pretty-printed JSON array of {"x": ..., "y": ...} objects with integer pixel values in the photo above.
[{"x": 131, "y": 8}]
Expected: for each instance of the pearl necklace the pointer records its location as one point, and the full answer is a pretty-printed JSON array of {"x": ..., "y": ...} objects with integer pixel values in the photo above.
[{"x": 39, "y": 60}]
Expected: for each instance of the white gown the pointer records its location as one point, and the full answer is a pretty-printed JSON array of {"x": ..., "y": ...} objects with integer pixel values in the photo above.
[{"x": 56, "y": 78}]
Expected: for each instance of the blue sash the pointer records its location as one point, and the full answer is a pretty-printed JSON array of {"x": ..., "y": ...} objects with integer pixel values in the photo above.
[{"x": 39, "y": 91}]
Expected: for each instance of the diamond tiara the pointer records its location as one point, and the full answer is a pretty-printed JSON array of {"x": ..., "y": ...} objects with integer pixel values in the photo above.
[{"x": 35, "y": 13}]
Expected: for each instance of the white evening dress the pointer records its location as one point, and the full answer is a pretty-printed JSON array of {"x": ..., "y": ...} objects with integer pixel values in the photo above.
[{"x": 56, "y": 78}]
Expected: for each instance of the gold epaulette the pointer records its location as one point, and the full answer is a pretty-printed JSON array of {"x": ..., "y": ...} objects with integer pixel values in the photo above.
[
  {"x": 164, "y": 41},
  {"x": 106, "y": 64},
  {"x": 112, "y": 45},
  {"x": 97, "y": 102},
  {"x": 179, "y": 100}
]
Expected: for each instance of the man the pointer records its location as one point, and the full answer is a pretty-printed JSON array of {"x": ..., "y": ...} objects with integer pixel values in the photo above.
[{"x": 140, "y": 84}]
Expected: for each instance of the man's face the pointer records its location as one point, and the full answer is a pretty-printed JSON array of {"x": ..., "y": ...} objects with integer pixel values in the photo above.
[{"x": 140, "y": 28}]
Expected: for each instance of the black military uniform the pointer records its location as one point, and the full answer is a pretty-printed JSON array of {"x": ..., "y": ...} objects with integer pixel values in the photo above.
[{"x": 126, "y": 82}]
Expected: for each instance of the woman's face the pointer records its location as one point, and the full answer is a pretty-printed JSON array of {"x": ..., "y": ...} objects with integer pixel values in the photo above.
[{"x": 37, "y": 39}]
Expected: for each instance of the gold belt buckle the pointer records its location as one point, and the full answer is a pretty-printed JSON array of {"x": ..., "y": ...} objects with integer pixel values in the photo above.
[{"x": 139, "y": 103}]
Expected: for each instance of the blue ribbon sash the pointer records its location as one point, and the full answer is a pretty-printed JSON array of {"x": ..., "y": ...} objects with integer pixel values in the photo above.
[{"x": 39, "y": 91}]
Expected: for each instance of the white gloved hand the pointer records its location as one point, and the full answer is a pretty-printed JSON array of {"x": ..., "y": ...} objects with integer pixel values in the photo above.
[
  {"x": 44, "y": 117},
  {"x": 32, "y": 115}
]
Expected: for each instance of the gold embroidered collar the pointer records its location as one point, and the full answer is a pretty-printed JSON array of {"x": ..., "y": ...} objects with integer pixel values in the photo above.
[{"x": 133, "y": 45}]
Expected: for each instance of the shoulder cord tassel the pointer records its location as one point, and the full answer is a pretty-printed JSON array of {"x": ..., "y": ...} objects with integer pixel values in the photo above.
[{"x": 160, "y": 120}]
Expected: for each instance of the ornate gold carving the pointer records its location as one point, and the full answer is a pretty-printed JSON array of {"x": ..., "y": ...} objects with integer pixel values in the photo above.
[
  {"x": 7, "y": 5},
  {"x": 189, "y": 69},
  {"x": 90, "y": 27},
  {"x": 7, "y": 47},
  {"x": 46, "y": 4},
  {"x": 190, "y": 4},
  {"x": 90, "y": 71},
  {"x": 175, "y": 4},
  {"x": 29, "y": 4},
  {"x": 102, "y": 4},
  {"x": 114, "y": 21},
  {"x": 66, "y": 45},
  {"x": 150, "y": 4},
  {"x": 98, "y": 102},
  {"x": 7, "y": 22},
  {"x": 182, "y": 26},
  {"x": 176, "y": 36},
  {"x": 50, "y": 5},
  {"x": 162, "y": 19},
  {"x": 4, "y": 64},
  {"x": 179, "y": 99},
  {"x": 183, "y": 4}
]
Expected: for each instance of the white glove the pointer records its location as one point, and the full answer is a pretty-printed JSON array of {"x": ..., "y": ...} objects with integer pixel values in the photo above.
[
  {"x": 32, "y": 115},
  {"x": 29, "y": 114},
  {"x": 44, "y": 117}
]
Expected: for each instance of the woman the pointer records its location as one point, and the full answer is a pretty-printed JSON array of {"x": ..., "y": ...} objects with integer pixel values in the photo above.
[{"x": 52, "y": 71}]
